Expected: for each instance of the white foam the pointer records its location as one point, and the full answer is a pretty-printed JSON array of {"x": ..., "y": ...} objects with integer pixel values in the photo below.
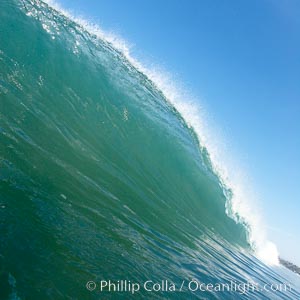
[{"x": 241, "y": 207}]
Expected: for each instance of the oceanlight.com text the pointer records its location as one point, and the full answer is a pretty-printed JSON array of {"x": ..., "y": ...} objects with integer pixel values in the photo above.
[{"x": 193, "y": 286}]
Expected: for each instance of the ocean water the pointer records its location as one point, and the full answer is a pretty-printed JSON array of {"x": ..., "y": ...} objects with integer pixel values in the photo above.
[{"x": 103, "y": 177}]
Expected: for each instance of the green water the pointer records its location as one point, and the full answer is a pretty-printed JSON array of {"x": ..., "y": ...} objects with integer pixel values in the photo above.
[{"x": 101, "y": 178}]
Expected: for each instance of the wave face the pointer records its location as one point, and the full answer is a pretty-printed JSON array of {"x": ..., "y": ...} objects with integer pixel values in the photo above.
[{"x": 100, "y": 176}]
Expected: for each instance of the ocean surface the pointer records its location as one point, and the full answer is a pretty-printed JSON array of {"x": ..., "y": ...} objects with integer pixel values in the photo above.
[{"x": 103, "y": 177}]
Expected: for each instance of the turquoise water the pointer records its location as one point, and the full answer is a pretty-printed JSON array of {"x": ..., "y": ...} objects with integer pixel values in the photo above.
[{"x": 101, "y": 178}]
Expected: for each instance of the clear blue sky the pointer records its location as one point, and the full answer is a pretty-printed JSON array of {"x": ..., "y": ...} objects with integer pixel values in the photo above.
[{"x": 242, "y": 60}]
